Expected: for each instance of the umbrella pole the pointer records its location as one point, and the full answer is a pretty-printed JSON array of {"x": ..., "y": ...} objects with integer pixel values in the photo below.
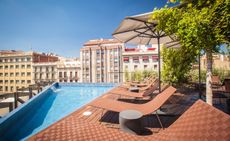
[
  {"x": 159, "y": 63},
  {"x": 199, "y": 78}
]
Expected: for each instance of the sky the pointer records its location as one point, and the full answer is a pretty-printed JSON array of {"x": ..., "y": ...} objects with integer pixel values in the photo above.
[{"x": 63, "y": 26}]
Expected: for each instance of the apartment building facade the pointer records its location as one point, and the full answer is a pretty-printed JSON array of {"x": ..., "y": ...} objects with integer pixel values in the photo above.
[
  {"x": 101, "y": 61},
  {"x": 16, "y": 69},
  {"x": 45, "y": 71},
  {"x": 140, "y": 58},
  {"x": 219, "y": 61},
  {"x": 68, "y": 70}
]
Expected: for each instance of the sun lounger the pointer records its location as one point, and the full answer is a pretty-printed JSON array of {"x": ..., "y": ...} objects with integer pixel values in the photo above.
[
  {"x": 145, "y": 93},
  {"x": 216, "y": 80},
  {"x": 125, "y": 90},
  {"x": 146, "y": 108},
  {"x": 147, "y": 84}
]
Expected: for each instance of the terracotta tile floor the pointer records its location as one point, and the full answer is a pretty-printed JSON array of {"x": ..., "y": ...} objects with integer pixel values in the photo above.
[{"x": 174, "y": 107}]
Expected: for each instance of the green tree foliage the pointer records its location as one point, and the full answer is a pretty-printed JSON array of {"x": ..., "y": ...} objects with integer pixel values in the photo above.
[
  {"x": 149, "y": 73},
  {"x": 177, "y": 64},
  {"x": 222, "y": 73},
  {"x": 198, "y": 25},
  {"x": 139, "y": 75},
  {"x": 127, "y": 76}
]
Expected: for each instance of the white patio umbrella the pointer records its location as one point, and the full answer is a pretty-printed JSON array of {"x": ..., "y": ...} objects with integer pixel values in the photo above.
[{"x": 139, "y": 29}]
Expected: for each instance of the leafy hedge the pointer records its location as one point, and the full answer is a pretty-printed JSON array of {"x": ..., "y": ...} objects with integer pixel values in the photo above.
[
  {"x": 139, "y": 75},
  {"x": 193, "y": 75}
]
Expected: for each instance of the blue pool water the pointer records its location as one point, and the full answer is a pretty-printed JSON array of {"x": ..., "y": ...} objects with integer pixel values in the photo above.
[{"x": 56, "y": 104}]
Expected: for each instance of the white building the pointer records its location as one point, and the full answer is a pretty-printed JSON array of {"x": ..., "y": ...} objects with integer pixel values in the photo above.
[
  {"x": 68, "y": 70},
  {"x": 101, "y": 61},
  {"x": 45, "y": 71},
  {"x": 140, "y": 58}
]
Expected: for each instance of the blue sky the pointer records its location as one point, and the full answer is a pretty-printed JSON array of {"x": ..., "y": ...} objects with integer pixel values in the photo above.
[{"x": 62, "y": 26}]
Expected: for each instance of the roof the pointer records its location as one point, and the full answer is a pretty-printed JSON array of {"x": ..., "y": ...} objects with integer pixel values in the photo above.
[{"x": 101, "y": 41}]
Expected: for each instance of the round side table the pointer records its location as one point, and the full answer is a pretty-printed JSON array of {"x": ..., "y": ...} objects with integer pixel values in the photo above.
[{"x": 131, "y": 121}]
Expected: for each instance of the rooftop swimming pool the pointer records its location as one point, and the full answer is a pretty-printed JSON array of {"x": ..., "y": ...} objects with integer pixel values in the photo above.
[{"x": 49, "y": 106}]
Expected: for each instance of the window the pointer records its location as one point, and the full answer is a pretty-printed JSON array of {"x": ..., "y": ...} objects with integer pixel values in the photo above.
[
  {"x": 11, "y": 66},
  {"x": 1, "y": 81},
  {"x": 1, "y": 88},
  {"x": 98, "y": 51},
  {"x": 36, "y": 76},
  {"x": 6, "y": 81},
  {"x": 22, "y": 74},
  {"x": 22, "y": 59},
  {"x": 28, "y": 59},
  {"x": 23, "y": 66},
  {"x": 135, "y": 67},
  {"x": 17, "y": 74},
  {"x": 28, "y": 66},
  {"x": 28, "y": 74},
  {"x": 155, "y": 67},
  {"x": 1, "y": 67},
  {"x": 115, "y": 76},
  {"x": 6, "y": 88},
  {"x": 11, "y": 81},
  {"x": 11, "y": 88},
  {"x": 60, "y": 74},
  {"x": 28, "y": 81},
  {"x": 126, "y": 59},
  {"x": 155, "y": 58},
  {"x": 16, "y": 60},
  {"x": 6, "y": 74},
  {"x": 1, "y": 74},
  {"x": 6, "y": 67},
  {"x": 11, "y": 74},
  {"x": 145, "y": 59},
  {"x": 76, "y": 76},
  {"x": 136, "y": 59},
  {"x": 5, "y": 60},
  {"x": 23, "y": 81},
  {"x": 145, "y": 67},
  {"x": 71, "y": 73},
  {"x": 17, "y": 66},
  {"x": 11, "y": 60}
]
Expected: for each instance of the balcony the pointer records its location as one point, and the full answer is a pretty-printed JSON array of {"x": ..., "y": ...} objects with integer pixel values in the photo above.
[{"x": 133, "y": 51}]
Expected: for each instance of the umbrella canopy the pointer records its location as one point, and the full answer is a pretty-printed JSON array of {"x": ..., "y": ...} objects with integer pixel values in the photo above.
[{"x": 139, "y": 29}]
